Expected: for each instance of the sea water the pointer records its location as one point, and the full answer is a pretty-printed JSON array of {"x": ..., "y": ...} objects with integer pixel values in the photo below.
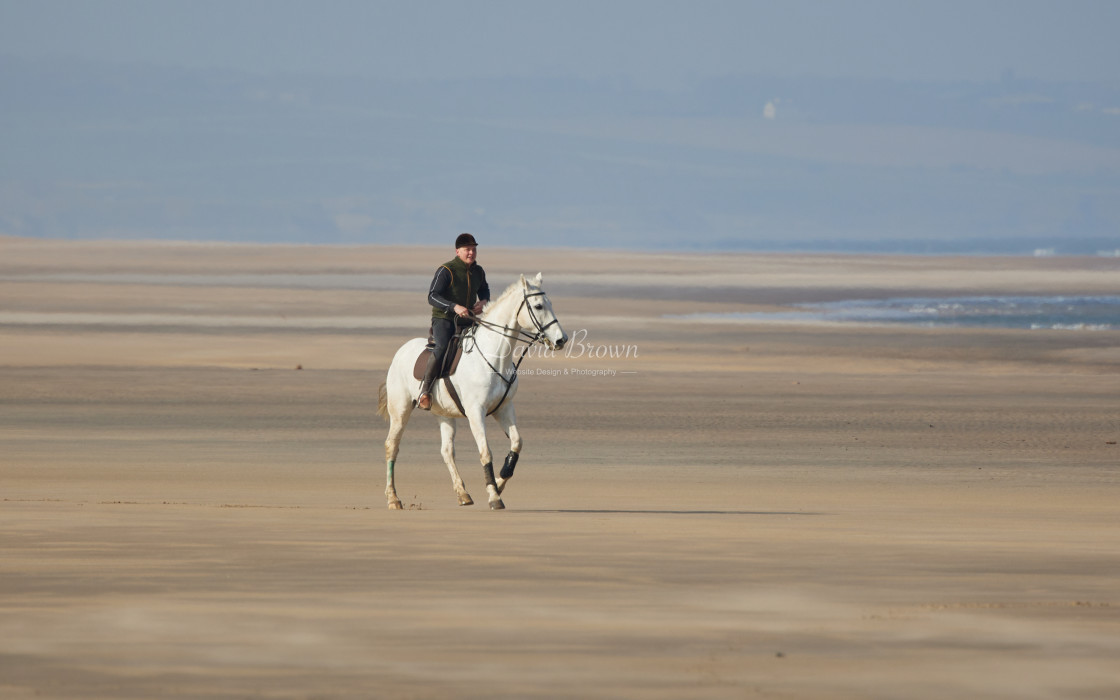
[{"x": 1092, "y": 313}]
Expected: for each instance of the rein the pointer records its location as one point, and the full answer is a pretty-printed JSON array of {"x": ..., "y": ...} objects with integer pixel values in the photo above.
[{"x": 514, "y": 334}]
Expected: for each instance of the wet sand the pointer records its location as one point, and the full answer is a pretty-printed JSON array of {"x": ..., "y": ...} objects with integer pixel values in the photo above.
[{"x": 740, "y": 510}]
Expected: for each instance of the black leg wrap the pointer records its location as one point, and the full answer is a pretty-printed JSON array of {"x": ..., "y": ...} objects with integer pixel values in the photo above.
[
  {"x": 511, "y": 462},
  {"x": 488, "y": 472}
]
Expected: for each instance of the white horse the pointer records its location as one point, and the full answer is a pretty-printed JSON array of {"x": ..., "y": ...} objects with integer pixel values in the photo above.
[{"x": 485, "y": 380}]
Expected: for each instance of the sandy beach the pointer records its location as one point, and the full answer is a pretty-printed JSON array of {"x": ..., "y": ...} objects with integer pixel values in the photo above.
[{"x": 192, "y": 476}]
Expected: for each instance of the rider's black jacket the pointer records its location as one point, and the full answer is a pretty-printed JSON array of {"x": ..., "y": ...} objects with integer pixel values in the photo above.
[{"x": 457, "y": 283}]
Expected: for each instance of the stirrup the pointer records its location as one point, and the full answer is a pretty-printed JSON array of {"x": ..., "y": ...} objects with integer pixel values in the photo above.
[{"x": 420, "y": 401}]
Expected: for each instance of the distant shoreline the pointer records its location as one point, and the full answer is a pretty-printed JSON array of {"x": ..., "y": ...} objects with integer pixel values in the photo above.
[{"x": 998, "y": 248}]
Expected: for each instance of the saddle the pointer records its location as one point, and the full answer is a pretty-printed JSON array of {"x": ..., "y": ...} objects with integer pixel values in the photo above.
[{"x": 454, "y": 352}]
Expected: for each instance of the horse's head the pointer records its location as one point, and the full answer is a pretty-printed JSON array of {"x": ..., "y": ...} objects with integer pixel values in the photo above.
[{"x": 537, "y": 314}]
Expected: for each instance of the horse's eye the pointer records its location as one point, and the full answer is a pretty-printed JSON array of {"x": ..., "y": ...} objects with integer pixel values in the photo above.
[{"x": 538, "y": 307}]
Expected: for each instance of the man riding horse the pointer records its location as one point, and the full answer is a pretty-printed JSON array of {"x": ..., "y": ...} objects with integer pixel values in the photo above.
[{"x": 458, "y": 290}]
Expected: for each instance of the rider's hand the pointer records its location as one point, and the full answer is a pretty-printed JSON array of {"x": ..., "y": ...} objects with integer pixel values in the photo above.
[
  {"x": 462, "y": 311},
  {"x": 477, "y": 307}
]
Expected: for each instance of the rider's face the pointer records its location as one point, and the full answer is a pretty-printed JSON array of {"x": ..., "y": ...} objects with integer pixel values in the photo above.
[{"x": 467, "y": 253}]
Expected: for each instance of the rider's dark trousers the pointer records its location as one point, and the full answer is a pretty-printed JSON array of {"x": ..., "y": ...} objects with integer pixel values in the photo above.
[{"x": 443, "y": 329}]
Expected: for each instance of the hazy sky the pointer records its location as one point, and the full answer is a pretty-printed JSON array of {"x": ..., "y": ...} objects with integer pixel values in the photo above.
[
  {"x": 903, "y": 124},
  {"x": 655, "y": 42}
]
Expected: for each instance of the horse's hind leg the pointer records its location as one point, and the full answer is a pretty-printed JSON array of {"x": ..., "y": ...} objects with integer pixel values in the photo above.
[
  {"x": 398, "y": 419},
  {"x": 447, "y": 449},
  {"x": 508, "y": 420}
]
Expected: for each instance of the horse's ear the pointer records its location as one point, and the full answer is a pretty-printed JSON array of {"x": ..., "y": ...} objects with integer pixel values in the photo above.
[
  {"x": 539, "y": 278},
  {"x": 524, "y": 283}
]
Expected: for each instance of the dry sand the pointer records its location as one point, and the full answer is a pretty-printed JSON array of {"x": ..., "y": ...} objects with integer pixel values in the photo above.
[{"x": 750, "y": 510}]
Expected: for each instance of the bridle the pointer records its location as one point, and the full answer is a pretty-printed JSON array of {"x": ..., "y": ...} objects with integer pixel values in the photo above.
[
  {"x": 519, "y": 334},
  {"x": 514, "y": 335}
]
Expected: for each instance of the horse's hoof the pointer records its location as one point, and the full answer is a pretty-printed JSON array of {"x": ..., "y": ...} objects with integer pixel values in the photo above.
[
  {"x": 466, "y": 500},
  {"x": 497, "y": 504},
  {"x": 395, "y": 505}
]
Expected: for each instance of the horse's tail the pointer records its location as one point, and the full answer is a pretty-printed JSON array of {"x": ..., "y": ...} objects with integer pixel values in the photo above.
[{"x": 383, "y": 401}]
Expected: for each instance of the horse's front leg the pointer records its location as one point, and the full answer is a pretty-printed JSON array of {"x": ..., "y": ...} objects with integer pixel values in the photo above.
[
  {"x": 477, "y": 419},
  {"x": 447, "y": 448},
  {"x": 508, "y": 420}
]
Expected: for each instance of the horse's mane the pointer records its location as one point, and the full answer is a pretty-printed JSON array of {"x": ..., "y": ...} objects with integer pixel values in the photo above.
[{"x": 508, "y": 292}]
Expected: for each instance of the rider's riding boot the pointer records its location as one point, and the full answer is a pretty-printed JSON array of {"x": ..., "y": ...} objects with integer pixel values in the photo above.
[{"x": 424, "y": 403}]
